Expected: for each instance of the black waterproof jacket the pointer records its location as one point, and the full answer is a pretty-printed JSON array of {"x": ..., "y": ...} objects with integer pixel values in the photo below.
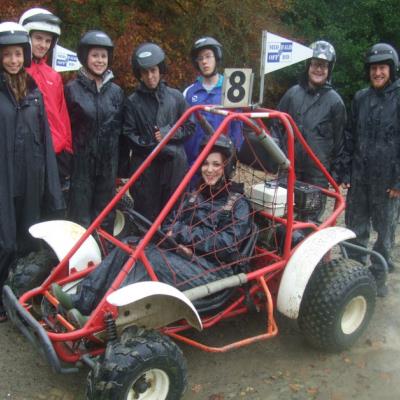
[
  {"x": 96, "y": 121},
  {"x": 28, "y": 169},
  {"x": 373, "y": 138},
  {"x": 215, "y": 228},
  {"x": 147, "y": 111},
  {"x": 212, "y": 226},
  {"x": 320, "y": 115}
]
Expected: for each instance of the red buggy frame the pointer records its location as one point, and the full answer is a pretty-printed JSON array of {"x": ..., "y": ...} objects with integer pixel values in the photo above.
[{"x": 268, "y": 278}]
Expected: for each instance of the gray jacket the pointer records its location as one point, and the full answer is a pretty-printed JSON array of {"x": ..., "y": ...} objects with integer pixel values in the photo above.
[{"x": 320, "y": 115}]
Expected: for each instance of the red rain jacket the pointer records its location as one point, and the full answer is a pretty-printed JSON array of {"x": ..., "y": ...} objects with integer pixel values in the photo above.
[{"x": 51, "y": 86}]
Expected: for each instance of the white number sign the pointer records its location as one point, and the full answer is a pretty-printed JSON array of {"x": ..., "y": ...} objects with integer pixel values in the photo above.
[{"x": 237, "y": 87}]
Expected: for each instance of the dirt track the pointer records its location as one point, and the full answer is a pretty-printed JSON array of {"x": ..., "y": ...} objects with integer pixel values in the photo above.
[{"x": 282, "y": 368}]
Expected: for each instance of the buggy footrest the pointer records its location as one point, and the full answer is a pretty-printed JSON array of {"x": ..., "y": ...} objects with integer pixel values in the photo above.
[{"x": 32, "y": 330}]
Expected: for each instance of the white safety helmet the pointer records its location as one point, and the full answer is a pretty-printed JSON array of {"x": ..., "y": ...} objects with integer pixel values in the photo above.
[
  {"x": 13, "y": 34},
  {"x": 40, "y": 19}
]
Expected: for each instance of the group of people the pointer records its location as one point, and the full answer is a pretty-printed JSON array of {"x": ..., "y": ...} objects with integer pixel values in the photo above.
[
  {"x": 80, "y": 140},
  {"x": 62, "y": 148},
  {"x": 361, "y": 150}
]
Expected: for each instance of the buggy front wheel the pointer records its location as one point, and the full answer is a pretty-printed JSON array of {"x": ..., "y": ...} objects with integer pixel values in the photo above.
[
  {"x": 30, "y": 271},
  {"x": 337, "y": 305},
  {"x": 147, "y": 366}
]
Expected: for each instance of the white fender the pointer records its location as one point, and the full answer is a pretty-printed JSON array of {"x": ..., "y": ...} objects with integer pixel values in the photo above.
[
  {"x": 61, "y": 235},
  {"x": 302, "y": 264},
  {"x": 153, "y": 305}
]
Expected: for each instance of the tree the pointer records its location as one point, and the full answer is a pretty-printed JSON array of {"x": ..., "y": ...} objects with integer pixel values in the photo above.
[{"x": 352, "y": 27}]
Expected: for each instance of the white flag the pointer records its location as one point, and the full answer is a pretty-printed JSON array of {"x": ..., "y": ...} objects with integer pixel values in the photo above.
[
  {"x": 64, "y": 59},
  {"x": 280, "y": 52}
]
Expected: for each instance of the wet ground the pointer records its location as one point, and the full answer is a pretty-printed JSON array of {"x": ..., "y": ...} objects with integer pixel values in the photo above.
[{"x": 282, "y": 368}]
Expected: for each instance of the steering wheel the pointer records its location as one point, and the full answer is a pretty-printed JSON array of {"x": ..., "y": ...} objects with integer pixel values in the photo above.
[{"x": 143, "y": 225}]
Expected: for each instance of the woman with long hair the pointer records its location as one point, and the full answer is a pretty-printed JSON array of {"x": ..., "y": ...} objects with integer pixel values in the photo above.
[{"x": 28, "y": 171}]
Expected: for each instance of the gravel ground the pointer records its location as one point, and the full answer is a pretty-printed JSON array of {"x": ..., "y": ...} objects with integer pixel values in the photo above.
[{"x": 282, "y": 368}]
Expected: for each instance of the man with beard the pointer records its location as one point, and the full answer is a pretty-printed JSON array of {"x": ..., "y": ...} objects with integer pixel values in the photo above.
[{"x": 373, "y": 145}]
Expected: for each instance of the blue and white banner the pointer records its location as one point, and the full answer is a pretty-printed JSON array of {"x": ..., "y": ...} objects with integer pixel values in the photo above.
[
  {"x": 64, "y": 59},
  {"x": 280, "y": 52}
]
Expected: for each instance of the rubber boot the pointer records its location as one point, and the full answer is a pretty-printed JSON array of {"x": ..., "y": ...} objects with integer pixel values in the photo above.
[
  {"x": 76, "y": 318},
  {"x": 391, "y": 265},
  {"x": 380, "y": 276},
  {"x": 64, "y": 298}
]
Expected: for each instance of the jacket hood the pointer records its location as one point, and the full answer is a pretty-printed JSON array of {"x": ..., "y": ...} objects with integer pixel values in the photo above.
[
  {"x": 220, "y": 189},
  {"x": 388, "y": 88},
  {"x": 144, "y": 89},
  {"x": 303, "y": 82},
  {"x": 86, "y": 79},
  {"x": 42, "y": 60}
]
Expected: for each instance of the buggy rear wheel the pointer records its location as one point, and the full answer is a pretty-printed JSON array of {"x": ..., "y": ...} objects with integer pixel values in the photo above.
[
  {"x": 147, "y": 366},
  {"x": 337, "y": 305},
  {"x": 30, "y": 271}
]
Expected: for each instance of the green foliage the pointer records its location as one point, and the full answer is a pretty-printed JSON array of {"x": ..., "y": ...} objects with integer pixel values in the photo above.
[
  {"x": 79, "y": 16},
  {"x": 352, "y": 27}
]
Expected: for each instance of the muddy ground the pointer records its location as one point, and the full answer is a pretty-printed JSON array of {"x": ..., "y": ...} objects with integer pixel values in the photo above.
[{"x": 281, "y": 368}]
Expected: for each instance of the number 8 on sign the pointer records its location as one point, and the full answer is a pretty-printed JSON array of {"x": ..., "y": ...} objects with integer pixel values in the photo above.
[{"x": 237, "y": 87}]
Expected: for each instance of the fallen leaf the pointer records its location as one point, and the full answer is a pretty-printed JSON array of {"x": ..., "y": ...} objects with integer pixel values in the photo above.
[
  {"x": 361, "y": 364},
  {"x": 385, "y": 376},
  {"x": 217, "y": 396},
  {"x": 295, "y": 387},
  {"x": 197, "y": 388},
  {"x": 337, "y": 396},
  {"x": 312, "y": 390}
]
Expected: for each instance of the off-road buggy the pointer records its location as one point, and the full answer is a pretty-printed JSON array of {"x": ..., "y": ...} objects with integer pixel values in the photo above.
[{"x": 289, "y": 264}]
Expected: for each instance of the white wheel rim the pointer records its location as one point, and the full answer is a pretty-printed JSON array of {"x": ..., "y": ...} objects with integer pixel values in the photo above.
[
  {"x": 354, "y": 314},
  {"x": 158, "y": 386}
]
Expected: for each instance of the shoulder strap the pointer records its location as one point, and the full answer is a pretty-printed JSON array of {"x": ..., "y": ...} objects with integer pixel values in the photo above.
[{"x": 232, "y": 198}]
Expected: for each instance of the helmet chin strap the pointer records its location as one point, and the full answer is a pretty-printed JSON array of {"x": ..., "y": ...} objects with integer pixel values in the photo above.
[
  {"x": 215, "y": 72},
  {"x": 94, "y": 73}
]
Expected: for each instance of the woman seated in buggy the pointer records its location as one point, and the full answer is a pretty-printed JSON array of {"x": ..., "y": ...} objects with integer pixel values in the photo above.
[{"x": 209, "y": 230}]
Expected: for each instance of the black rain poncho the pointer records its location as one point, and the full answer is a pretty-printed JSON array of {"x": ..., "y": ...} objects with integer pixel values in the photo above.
[
  {"x": 320, "y": 115},
  {"x": 373, "y": 153},
  {"x": 216, "y": 230},
  {"x": 145, "y": 112},
  {"x": 28, "y": 170},
  {"x": 96, "y": 120}
]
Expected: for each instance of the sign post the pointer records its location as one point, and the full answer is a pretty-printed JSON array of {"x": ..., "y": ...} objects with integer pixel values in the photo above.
[
  {"x": 262, "y": 66},
  {"x": 237, "y": 87}
]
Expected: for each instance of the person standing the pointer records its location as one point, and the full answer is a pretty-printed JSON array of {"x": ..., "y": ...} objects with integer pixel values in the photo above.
[
  {"x": 44, "y": 30},
  {"x": 320, "y": 114},
  {"x": 95, "y": 106},
  {"x": 206, "y": 55},
  {"x": 373, "y": 145},
  {"x": 150, "y": 112},
  {"x": 28, "y": 170}
]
